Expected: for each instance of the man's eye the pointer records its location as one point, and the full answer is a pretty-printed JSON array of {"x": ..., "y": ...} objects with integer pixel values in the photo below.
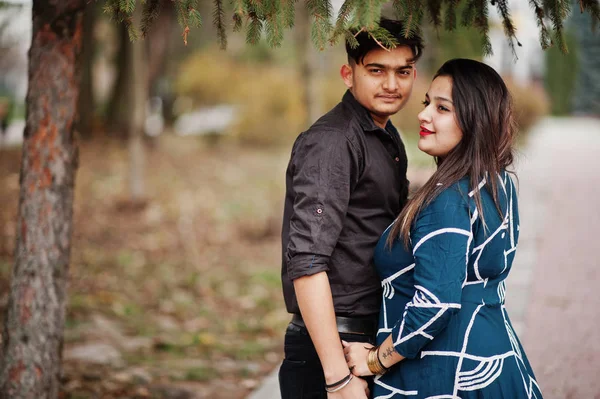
[{"x": 375, "y": 70}]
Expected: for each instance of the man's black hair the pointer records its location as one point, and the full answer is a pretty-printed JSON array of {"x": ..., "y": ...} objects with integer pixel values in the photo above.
[{"x": 366, "y": 43}]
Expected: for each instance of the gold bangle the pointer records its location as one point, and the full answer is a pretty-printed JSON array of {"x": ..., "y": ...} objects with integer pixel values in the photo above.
[{"x": 373, "y": 363}]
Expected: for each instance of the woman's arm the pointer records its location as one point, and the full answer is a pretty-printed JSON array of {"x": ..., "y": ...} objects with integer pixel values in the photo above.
[{"x": 357, "y": 354}]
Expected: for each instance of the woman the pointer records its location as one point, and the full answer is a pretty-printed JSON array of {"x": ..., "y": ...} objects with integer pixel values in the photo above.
[{"x": 443, "y": 329}]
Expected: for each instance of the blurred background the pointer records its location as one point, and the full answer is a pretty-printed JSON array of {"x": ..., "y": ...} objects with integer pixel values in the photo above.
[{"x": 175, "y": 269}]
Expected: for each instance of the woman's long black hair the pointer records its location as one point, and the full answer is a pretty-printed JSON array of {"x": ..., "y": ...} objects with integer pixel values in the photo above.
[{"x": 484, "y": 114}]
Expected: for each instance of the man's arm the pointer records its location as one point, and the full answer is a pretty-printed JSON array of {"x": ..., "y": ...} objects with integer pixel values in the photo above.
[
  {"x": 326, "y": 168},
  {"x": 316, "y": 305}
]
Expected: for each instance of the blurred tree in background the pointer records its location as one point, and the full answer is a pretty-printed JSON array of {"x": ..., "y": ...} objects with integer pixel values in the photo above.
[
  {"x": 560, "y": 76},
  {"x": 586, "y": 100},
  {"x": 35, "y": 314}
]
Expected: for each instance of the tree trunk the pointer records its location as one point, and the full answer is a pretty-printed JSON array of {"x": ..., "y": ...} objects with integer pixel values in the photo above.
[
  {"x": 160, "y": 47},
  {"x": 586, "y": 99},
  {"x": 35, "y": 315},
  {"x": 117, "y": 116},
  {"x": 138, "y": 78},
  {"x": 159, "y": 44},
  {"x": 86, "y": 105},
  {"x": 309, "y": 68}
]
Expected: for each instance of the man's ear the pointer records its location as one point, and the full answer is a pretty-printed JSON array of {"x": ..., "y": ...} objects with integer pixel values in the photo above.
[
  {"x": 415, "y": 74},
  {"x": 346, "y": 74}
]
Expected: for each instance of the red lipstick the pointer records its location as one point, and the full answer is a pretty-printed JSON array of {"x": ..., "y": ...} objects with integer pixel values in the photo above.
[{"x": 425, "y": 132}]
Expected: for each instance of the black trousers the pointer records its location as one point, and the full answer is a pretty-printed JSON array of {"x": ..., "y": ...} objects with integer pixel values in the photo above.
[{"x": 301, "y": 374}]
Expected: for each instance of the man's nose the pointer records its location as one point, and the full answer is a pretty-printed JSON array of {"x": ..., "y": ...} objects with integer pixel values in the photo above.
[{"x": 390, "y": 83}]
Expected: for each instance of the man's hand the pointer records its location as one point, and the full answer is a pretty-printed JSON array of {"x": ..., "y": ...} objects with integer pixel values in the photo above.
[
  {"x": 356, "y": 389},
  {"x": 356, "y": 356}
]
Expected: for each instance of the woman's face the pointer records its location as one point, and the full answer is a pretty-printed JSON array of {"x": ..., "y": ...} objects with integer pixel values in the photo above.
[{"x": 439, "y": 128}]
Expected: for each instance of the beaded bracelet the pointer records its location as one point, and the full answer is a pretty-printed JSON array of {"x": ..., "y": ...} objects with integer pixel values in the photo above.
[{"x": 331, "y": 388}]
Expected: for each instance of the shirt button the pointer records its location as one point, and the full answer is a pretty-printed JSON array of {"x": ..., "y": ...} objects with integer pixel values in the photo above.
[
  {"x": 397, "y": 159},
  {"x": 319, "y": 210}
]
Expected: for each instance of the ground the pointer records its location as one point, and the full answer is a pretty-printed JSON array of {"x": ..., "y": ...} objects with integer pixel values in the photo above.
[{"x": 176, "y": 296}]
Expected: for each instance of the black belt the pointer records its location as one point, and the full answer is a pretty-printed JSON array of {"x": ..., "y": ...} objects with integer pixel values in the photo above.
[{"x": 348, "y": 325}]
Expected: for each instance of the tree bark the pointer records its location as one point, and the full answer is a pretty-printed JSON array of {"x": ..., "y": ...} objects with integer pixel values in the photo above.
[{"x": 34, "y": 321}]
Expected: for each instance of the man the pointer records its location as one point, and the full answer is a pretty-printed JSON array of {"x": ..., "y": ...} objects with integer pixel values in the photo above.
[{"x": 346, "y": 182}]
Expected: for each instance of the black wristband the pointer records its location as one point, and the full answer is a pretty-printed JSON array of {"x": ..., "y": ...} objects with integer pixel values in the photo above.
[{"x": 340, "y": 382}]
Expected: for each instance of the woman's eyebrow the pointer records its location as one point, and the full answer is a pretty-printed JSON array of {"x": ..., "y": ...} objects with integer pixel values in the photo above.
[{"x": 443, "y": 99}]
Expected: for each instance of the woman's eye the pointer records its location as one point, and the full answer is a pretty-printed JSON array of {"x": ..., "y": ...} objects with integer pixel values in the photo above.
[
  {"x": 442, "y": 108},
  {"x": 425, "y": 102}
]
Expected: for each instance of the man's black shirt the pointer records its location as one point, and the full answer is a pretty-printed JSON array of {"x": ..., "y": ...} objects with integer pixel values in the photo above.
[{"x": 345, "y": 183}]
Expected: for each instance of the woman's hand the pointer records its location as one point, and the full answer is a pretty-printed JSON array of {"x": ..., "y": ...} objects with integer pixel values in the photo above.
[{"x": 356, "y": 357}]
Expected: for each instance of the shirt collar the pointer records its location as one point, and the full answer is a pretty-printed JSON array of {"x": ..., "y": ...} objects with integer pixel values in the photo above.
[{"x": 363, "y": 115}]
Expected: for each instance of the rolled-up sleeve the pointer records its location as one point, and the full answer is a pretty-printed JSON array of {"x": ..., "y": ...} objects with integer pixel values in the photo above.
[{"x": 325, "y": 170}]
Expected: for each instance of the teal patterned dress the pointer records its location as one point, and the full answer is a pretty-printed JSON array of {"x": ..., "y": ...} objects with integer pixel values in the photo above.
[{"x": 443, "y": 301}]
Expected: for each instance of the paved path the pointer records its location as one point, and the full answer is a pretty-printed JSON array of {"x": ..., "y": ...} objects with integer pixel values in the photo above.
[
  {"x": 562, "y": 321},
  {"x": 552, "y": 293}
]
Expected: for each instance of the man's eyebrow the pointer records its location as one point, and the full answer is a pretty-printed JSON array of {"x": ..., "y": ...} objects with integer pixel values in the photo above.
[{"x": 382, "y": 66}]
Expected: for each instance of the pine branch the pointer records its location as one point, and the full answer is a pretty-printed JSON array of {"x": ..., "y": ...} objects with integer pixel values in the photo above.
[
  {"x": 545, "y": 40},
  {"x": 258, "y": 7},
  {"x": 321, "y": 28},
  {"x": 187, "y": 14},
  {"x": 238, "y": 14},
  {"x": 254, "y": 28},
  {"x": 218, "y": 17},
  {"x": 411, "y": 13},
  {"x": 351, "y": 39},
  {"x": 468, "y": 16},
  {"x": 289, "y": 12},
  {"x": 116, "y": 13},
  {"x": 558, "y": 10},
  {"x": 383, "y": 38},
  {"x": 150, "y": 13},
  {"x": 342, "y": 22},
  {"x": 509, "y": 28},
  {"x": 369, "y": 13},
  {"x": 434, "y": 8},
  {"x": 274, "y": 25},
  {"x": 127, "y": 6},
  {"x": 450, "y": 15},
  {"x": 593, "y": 7},
  {"x": 480, "y": 20},
  {"x": 274, "y": 16}
]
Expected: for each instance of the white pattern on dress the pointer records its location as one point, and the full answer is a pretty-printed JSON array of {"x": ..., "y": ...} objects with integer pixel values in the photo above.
[{"x": 489, "y": 368}]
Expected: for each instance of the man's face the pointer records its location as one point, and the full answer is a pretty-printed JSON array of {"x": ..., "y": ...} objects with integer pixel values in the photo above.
[{"x": 382, "y": 83}]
